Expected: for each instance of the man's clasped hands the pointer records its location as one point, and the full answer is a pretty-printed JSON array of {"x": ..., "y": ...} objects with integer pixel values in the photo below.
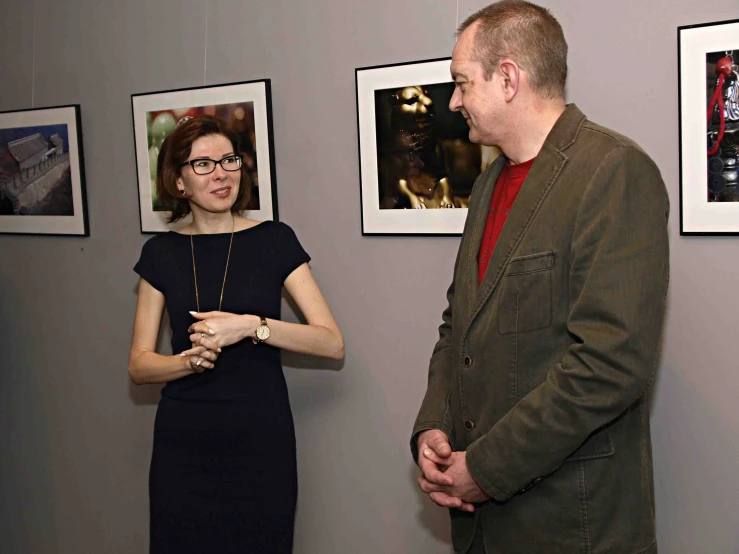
[{"x": 445, "y": 477}]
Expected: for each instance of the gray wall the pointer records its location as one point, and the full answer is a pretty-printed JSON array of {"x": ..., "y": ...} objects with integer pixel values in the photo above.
[{"x": 76, "y": 437}]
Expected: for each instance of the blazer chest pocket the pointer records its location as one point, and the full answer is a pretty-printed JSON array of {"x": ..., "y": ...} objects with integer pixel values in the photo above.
[
  {"x": 526, "y": 294},
  {"x": 597, "y": 445}
]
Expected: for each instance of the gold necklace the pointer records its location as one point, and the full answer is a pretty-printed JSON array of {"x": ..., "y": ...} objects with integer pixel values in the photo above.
[{"x": 195, "y": 273}]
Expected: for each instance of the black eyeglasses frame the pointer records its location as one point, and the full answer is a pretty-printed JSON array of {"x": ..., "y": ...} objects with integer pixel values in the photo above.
[{"x": 216, "y": 163}]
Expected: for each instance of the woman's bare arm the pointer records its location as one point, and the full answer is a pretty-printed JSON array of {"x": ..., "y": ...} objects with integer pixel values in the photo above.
[{"x": 144, "y": 364}]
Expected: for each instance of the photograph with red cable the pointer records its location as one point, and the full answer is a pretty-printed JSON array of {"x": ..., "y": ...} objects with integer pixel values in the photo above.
[{"x": 722, "y": 87}]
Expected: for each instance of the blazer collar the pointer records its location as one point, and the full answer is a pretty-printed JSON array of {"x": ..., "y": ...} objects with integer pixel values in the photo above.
[
  {"x": 549, "y": 163},
  {"x": 566, "y": 129}
]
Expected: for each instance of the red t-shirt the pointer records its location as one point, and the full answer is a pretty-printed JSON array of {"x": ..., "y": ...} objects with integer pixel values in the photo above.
[{"x": 506, "y": 189}]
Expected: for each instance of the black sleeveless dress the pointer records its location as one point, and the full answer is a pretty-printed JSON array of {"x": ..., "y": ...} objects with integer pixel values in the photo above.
[{"x": 223, "y": 475}]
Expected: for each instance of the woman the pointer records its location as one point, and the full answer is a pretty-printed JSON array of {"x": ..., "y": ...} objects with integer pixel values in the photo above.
[{"x": 223, "y": 471}]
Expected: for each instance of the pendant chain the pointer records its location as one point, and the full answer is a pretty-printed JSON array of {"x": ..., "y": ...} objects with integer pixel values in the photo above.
[{"x": 225, "y": 273}]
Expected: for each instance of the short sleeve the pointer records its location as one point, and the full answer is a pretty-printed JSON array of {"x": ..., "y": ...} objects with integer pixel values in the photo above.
[
  {"x": 292, "y": 253},
  {"x": 149, "y": 265}
]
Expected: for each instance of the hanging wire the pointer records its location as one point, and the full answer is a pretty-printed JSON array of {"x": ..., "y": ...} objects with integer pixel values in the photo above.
[
  {"x": 205, "y": 49},
  {"x": 33, "y": 56}
]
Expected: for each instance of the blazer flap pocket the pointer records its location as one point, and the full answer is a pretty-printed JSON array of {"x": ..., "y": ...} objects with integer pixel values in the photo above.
[
  {"x": 597, "y": 445},
  {"x": 531, "y": 263}
]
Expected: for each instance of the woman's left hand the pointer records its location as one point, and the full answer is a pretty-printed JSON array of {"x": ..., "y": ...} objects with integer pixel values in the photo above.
[{"x": 221, "y": 328}]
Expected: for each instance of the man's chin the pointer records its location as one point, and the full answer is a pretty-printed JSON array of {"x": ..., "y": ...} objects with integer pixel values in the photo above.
[{"x": 476, "y": 138}]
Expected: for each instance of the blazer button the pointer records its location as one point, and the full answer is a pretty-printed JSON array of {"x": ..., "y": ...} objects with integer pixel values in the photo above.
[
  {"x": 467, "y": 361},
  {"x": 469, "y": 425}
]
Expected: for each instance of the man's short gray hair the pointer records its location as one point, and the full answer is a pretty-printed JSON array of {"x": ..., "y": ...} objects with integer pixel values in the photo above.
[{"x": 527, "y": 34}]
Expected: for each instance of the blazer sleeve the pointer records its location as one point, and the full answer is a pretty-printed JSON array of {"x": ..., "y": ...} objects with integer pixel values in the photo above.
[
  {"x": 618, "y": 284},
  {"x": 434, "y": 412}
]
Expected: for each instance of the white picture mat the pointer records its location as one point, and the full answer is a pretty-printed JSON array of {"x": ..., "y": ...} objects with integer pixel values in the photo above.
[
  {"x": 699, "y": 215},
  {"x": 375, "y": 220},
  {"x": 152, "y": 221},
  {"x": 49, "y": 224}
]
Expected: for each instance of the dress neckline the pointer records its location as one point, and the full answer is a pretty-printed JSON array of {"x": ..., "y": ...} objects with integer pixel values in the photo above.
[{"x": 220, "y": 234}]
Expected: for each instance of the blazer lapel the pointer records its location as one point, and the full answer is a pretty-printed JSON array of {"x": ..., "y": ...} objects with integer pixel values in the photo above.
[
  {"x": 543, "y": 173},
  {"x": 548, "y": 165},
  {"x": 479, "y": 217}
]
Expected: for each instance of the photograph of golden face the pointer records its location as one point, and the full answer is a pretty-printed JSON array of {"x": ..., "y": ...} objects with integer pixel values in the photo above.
[
  {"x": 238, "y": 116},
  {"x": 425, "y": 159}
]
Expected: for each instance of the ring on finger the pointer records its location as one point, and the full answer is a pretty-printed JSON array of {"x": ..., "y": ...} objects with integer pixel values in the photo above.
[{"x": 202, "y": 335}]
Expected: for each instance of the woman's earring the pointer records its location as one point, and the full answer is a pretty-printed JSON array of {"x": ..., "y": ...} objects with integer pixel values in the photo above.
[{"x": 182, "y": 192}]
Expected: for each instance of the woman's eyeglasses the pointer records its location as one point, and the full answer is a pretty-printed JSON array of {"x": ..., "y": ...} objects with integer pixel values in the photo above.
[{"x": 204, "y": 166}]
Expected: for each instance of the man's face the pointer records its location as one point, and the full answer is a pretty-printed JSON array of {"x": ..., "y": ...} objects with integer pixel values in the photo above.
[{"x": 481, "y": 102}]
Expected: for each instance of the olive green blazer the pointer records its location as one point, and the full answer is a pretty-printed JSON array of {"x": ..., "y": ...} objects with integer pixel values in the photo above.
[{"x": 541, "y": 372}]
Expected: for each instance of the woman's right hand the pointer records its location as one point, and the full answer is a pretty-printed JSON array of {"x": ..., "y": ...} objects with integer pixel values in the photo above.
[{"x": 199, "y": 358}]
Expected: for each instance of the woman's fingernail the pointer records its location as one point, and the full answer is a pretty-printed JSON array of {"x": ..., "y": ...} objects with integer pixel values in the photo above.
[
  {"x": 211, "y": 331},
  {"x": 183, "y": 354},
  {"x": 193, "y": 313},
  {"x": 219, "y": 350}
]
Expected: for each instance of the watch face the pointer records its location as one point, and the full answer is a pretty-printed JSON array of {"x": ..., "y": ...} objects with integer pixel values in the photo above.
[{"x": 262, "y": 332}]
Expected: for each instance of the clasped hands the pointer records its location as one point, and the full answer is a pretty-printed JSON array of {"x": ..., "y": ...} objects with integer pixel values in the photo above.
[
  {"x": 214, "y": 331},
  {"x": 446, "y": 478}
]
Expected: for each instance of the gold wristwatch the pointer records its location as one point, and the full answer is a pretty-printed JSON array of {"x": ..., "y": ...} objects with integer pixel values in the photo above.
[{"x": 262, "y": 333}]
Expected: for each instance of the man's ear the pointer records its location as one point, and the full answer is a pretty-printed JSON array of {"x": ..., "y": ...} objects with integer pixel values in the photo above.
[{"x": 511, "y": 73}]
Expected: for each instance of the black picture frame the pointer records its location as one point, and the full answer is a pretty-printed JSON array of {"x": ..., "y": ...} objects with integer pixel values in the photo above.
[
  {"x": 42, "y": 172},
  {"x": 401, "y": 153},
  {"x": 247, "y": 108},
  {"x": 709, "y": 195}
]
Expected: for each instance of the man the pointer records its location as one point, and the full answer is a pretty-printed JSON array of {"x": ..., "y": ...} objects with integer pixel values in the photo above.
[{"x": 534, "y": 428}]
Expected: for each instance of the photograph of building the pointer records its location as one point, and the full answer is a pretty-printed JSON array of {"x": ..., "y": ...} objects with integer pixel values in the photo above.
[{"x": 35, "y": 177}]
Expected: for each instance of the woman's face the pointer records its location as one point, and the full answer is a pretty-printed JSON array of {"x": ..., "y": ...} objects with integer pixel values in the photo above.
[{"x": 215, "y": 192}]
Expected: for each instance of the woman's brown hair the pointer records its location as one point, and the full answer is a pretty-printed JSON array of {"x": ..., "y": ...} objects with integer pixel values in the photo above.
[{"x": 176, "y": 149}]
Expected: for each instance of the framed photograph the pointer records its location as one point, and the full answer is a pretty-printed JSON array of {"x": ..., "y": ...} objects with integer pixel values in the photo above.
[
  {"x": 708, "y": 88},
  {"x": 246, "y": 107},
  {"x": 42, "y": 177},
  {"x": 417, "y": 164}
]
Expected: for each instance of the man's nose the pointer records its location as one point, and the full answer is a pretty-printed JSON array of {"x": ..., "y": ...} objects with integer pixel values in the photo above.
[{"x": 455, "y": 103}]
